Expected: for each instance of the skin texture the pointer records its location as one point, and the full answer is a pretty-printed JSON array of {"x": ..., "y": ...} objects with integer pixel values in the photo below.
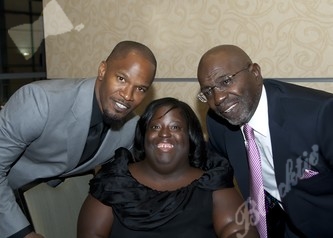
[
  {"x": 240, "y": 96},
  {"x": 122, "y": 84},
  {"x": 166, "y": 167}
]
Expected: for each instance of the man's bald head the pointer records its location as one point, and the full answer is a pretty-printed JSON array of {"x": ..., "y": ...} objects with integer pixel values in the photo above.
[{"x": 230, "y": 53}]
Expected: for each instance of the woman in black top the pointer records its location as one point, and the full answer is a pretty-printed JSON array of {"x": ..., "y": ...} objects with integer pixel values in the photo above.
[{"x": 167, "y": 188}]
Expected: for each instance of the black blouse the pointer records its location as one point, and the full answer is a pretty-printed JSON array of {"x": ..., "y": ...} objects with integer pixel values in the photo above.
[{"x": 144, "y": 212}]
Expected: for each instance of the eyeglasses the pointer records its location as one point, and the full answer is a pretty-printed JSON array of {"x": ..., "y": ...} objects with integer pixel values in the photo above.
[{"x": 221, "y": 85}]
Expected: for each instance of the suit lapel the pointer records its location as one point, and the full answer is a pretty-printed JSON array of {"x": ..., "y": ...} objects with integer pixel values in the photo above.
[
  {"x": 280, "y": 144},
  {"x": 237, "y": 155},
  {"x": 112, "y": 141},
  {"x": 280, "y": 138},
  {"x": 79, "y": 122}
]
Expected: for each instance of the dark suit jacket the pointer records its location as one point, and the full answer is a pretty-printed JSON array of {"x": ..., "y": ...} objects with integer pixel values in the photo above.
[{"x": 301, "y": 129}]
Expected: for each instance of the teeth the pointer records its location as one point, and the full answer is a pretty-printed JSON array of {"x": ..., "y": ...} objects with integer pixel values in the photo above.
[
  {"x": 229, "y": 109},
  {"x": 165, "y": 145},
  {"x": 121, "y": 105}
]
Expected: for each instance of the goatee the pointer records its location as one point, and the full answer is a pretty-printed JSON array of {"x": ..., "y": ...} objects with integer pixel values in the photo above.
[{"x": 113, "y": 123}]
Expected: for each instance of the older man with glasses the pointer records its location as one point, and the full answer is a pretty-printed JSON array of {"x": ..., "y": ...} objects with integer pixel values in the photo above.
[{"x": 278, "y": 138}]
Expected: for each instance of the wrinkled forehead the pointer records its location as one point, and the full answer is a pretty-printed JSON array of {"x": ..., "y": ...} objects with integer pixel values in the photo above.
[{"x": 214, "y": 65}]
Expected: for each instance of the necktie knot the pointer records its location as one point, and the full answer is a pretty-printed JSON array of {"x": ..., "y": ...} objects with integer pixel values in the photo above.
[{"x": 248, "y": 132}]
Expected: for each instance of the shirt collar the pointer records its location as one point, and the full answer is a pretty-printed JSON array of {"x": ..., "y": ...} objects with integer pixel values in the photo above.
[
  {"x": 96, "y": 115},
  {"x": 259, "y": 120}
]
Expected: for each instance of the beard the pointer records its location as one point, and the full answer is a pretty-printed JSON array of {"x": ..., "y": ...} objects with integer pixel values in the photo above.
[
  {"x": 248, "y": 104},
  {"x": 243, "y": 118},
  {"x": 245, "y": 111},
  {"x": 113, "y": 121}
]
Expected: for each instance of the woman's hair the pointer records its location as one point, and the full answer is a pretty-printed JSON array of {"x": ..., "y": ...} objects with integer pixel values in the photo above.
[{"x": 197, "y": 150}]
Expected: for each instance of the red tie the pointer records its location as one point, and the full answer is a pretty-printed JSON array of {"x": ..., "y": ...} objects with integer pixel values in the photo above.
[{"x": 256, "y": 185}]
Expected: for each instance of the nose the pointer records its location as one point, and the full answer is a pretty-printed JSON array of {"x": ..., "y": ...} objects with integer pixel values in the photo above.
[
  {"x": 127, "y": 93},
  {"x": 219, "y": 96},
  {"x": 164, "y": 132}
]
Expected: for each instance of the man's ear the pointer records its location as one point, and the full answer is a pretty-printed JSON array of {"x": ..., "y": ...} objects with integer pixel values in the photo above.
[
  {"x": 256, "y": 69},
  {"x": 101, "y": 70}
]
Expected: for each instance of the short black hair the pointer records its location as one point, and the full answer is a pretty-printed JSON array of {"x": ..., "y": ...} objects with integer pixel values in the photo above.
[{"x": 125, "y": 47}]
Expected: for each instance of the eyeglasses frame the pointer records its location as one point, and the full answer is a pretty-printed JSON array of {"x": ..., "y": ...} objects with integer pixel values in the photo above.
[{"x": 201, "y": 95}]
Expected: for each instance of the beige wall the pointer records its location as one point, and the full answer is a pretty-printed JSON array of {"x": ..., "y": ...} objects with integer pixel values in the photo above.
[{"x": 288, "y": 38}]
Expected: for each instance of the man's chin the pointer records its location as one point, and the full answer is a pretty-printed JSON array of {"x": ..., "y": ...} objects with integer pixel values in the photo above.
[
  {"x": 235, "y": 121},
  {"x": 115, "y": 122}
]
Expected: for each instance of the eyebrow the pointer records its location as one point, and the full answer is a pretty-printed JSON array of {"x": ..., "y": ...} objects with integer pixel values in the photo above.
[
  {"x": 142, "y": 86},
  {"x": 215, "y": 80},
  {"x": 216, "y": 74}
]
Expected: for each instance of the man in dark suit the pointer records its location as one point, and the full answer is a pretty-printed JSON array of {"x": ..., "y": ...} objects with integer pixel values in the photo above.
[
  {"x": 293, "y": 132},
  {"x": 53, "y": 129}
]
